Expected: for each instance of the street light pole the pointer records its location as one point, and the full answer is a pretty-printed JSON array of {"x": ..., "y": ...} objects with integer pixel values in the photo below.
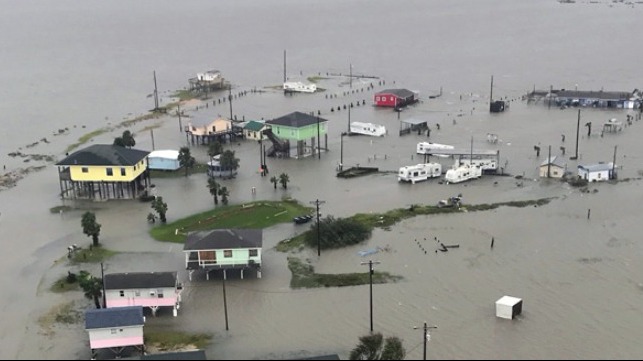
[
  {"x": 225, "y": 303},
  {"x": 370, "y": 264},
  {"x": 317, "y": 202}
]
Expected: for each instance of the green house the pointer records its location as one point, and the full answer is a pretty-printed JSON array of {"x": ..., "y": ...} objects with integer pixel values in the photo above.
[{"x": 304, "y": 130}]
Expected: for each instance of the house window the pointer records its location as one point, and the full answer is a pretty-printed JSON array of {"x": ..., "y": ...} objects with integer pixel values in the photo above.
[
  {"x": 122, "y": 293},
  {"x": 377, "y": 99},
  {"x": 110, "y": 171},
  {"x": 113, "y": 331},
  {"x": 227, "y": 253},
  {"x": 84, "y": 170},
  {"x": 253, "y": 253},
  {"x": 214, "y": 129},
  {"x": 160, "y": 293},
  {"x": 137, "y": 293},
  {"x": 123, "y": 172}
]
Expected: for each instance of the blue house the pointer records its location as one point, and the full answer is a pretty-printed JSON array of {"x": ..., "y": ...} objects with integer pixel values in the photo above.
[{"x": 163, "y": 160}]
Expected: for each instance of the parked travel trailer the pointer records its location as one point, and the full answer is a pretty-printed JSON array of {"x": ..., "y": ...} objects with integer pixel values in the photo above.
[
  {"x": 427, "y": 147},
  {"x": 299, "y": 87},
  {"x": 463, "y": 173},
  {"x": 419, "y": 172},
  {"x": 486, "y": 165},
  {"x": 375, "y": 130}
]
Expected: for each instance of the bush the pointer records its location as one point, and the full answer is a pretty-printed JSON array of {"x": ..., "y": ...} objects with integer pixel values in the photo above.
[
  {"x": 336, "y": 233},
  {"x": 71, "y": 277}
]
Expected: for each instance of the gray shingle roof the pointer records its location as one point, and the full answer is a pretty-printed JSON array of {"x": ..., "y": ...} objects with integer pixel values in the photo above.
[
  {"x": 224, "y": 239},
  {"x": 402, "y": 93},
  {"x": 600, "y": 167},
  {"x": 113, "y": 317},
  {"x": 296, "y": 120},
  {"x": 105, "y": 154},
  {"x": 555, "y": 160},
  {"x": 124, "y": 281}
]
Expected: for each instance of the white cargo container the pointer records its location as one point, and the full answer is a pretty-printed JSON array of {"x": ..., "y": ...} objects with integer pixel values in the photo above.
[{"x": 508, "y": 307}]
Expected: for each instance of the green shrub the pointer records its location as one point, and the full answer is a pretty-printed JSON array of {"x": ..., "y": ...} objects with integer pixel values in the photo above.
[{"x": 337, "y": 232}]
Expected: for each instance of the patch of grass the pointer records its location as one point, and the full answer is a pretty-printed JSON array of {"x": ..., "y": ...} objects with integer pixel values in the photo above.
[
  {"x": 175, "y": 340},
  {"x": 63, "y": 285},
  {"x": 315, "y": 79},
  {"x": 198, "y": 168},
  {"x": 184, "y": 94},
  {"x": 304, "y": 276},
  {"x": 65, "y": 313},
  {"x": 85, "y": 138},
  {"x": 291, "y": 244},
  {"x": 91, "y": 255},
  {"x": 59, "y": 209},
  {"x": 260, "y": 214}
]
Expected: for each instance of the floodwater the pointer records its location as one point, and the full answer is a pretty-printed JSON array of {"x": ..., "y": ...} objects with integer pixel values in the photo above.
[{"x": 78, "y": 67}]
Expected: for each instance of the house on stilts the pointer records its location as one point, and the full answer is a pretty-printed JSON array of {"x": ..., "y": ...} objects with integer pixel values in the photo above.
[
  {"x": 147, "y": 289},
  {"x": 116, "y": 329},
  {"x": 303, "y": 130},
  {"x": 103, "y": 171},
  {"x": 207, "y": 131}
]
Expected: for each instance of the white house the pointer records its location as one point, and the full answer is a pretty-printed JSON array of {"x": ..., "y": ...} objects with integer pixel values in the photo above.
[
  {"x": 223, "y": 249},
  {"x": 596, "y": 172},
  {"x": 113, "y": 328},
  {"x": 210, "y": 75},
  {"x": 163, "y": 160},
  {"x": 254, "y": 130},
  {"x": 147, "y": 289},
  {"x": 552, "y": 168}
]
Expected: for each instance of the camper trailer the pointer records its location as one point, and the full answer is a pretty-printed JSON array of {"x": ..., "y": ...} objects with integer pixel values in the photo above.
[
  {"x": 488, "y": 165},
  {"x": 428, "y": 147},
  {"x": 375, "y": 130},
  {"x": 419, "y": 172},
  {"x": 463, "y": 173}
]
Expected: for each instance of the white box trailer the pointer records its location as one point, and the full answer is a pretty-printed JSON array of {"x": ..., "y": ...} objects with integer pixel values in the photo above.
[
  {"x": 419, "y": 172},
  {"x": 462, "y": 173},
  {"x": 508, "y": 307}
]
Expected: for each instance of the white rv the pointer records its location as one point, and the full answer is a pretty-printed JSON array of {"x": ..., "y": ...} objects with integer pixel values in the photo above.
[
  {"x": 419, "y": 172},
  {"x": 488, "y": 164},
  {"x": 297, "y": 86},
  {"x": 428, "y": 147},
  {"x": 463, "y": 173},
  {"x": 375, "y": 130}
]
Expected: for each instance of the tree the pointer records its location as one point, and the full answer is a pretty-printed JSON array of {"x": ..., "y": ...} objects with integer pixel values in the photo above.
[
  {"x": 126, "y": 140},
  {"x": 186, "y": 160},
  {"x": 214, "y": 189},
  {"x": 160, "y": 207},
  {"x": 336, "y": 233},
  {"x": 375, "y": 347},
  {"x": 274, "y": 181},
  {"x": 90, "y": 226},
  {"x": 92, "y": 286},
  {"x": 224, "y": 193},
  {"x": 215, "y": 148},
  {"x": 228, "y": 161},
  {"x": 284, "y": 179}
]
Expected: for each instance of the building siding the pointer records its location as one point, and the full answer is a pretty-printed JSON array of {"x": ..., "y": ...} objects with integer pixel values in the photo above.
[
  {"x": 123, "y": 336},
  {"x": 144, "y": 297},
  {"x": 302, "y": 133},
  {"x": 239, "y": 257}
]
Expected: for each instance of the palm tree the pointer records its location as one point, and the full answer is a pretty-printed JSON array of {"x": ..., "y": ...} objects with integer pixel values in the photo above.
[
  {"x": 228, "y": 161},
  {"x": 274, "y": 181},
  {"x": 92, "y": 286},
  {"x": 126, "y": 140},
  {"x": 90, "y": 226},
  {"x": 214, "y": 189},
  {"x": 186, "y": 160},
  {"x": 160, "y": 207},
  {"x": 284, "y": 179},
  {"x": 375, "y": 347},
  {"x": 224, "y": 193}
]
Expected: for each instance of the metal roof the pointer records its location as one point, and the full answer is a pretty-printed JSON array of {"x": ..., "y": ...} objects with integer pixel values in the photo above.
[
  {"x": 122, "y": 281},
  {"x": 296, "y": 120},
  {"x": 114, "y": 317},
  {"x": 167, "y": 154},
  {"x": 224, "y": 239},
  {"x": 105, "y": 154},
  {"x": 254, "y": 125},
  {"x": 599, "y": 167},
  {"x": 585, "y": 94},
  {"x": 553, "y": 161},
  {"x": 402, "y": 93},
  {"x": 414, "y": 121}
]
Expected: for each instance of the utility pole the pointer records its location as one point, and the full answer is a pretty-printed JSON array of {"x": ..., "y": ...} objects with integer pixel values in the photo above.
[
  {"x": 178, "y": 112},
  {"x": 491, "y": 93},
  {"x": 614, "y": 164},
  {"x": 577, "y": 132},
  {"x": 549, "y": 163},
  {"x": 427, "y": 337},
  {"x": 351, "y": 76},
  {"x": 156, "y": 94},
  {"x": 370, "y": 264},
  {"x": 341, "y": 152},
  {"x": 230, "y": 99},
  {"x": 318, "y": 140},
  {"x": 152, "y": 135},
  {"x": 102, "y": 280},
  {"x": 317, "y": 202},
  {"x": 225, "y": 303},
  {"x": 348, "y": 129},
  {"x": 284, "y": 66}
]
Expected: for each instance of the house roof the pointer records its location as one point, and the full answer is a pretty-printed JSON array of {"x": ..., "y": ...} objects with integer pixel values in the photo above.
[
  {"x": 105, "y": 154},
  {"x": 114, "y": 317},
  {"x": 414, "y": 121},
  {"x": 223, "y": 238},
  {"x": 599, "y": 167},
  {"x": 167, "y": 154},
  {"x": 206, "y": 121},
  {"x": 296, "y": 120},
  {"x": 122, "y": 281},
  {"x": 555, "y": 161},
  {"x": 402, "y": 93},
  {"x": 584, "y": 94},
  {"x": 254, "y": 125}
]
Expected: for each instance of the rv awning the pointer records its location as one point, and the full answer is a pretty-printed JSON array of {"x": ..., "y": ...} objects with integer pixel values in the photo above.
[{"x": 414, "y": 121}]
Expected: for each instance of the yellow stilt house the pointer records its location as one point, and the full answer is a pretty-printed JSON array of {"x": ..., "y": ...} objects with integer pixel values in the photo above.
[{"x": 103, "y": 171}]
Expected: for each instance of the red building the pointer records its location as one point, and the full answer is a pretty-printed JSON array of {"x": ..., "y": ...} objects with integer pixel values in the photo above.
[{"x": 394, "y": 98}]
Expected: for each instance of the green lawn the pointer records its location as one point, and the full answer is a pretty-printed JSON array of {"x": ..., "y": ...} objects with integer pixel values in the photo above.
[
  {"x": 260, "y": 214},
  {"x": 304, "y": 276}
]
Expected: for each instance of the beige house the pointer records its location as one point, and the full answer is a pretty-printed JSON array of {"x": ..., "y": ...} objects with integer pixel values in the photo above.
[
  {"x": 552, "y": 168},
  {"x": 213, "y": 127}
]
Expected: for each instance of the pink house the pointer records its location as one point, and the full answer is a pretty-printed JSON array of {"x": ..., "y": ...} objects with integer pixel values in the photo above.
[
  {"x": 115, "y": 328},
  {"x": 147, "y": 289}
]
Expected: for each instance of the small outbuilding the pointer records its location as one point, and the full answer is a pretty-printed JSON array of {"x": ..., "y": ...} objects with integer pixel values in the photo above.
[
  {"x": 553, "y": 167},
  {"x": 596, "y": 172},
  {"x": 394, "y": 98},
  {"x": 115, "y": 328},
  {"x": 508, "y": 307},
  {"x": 254, "y": 130},
  {"x": 163, "y": 160}
]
